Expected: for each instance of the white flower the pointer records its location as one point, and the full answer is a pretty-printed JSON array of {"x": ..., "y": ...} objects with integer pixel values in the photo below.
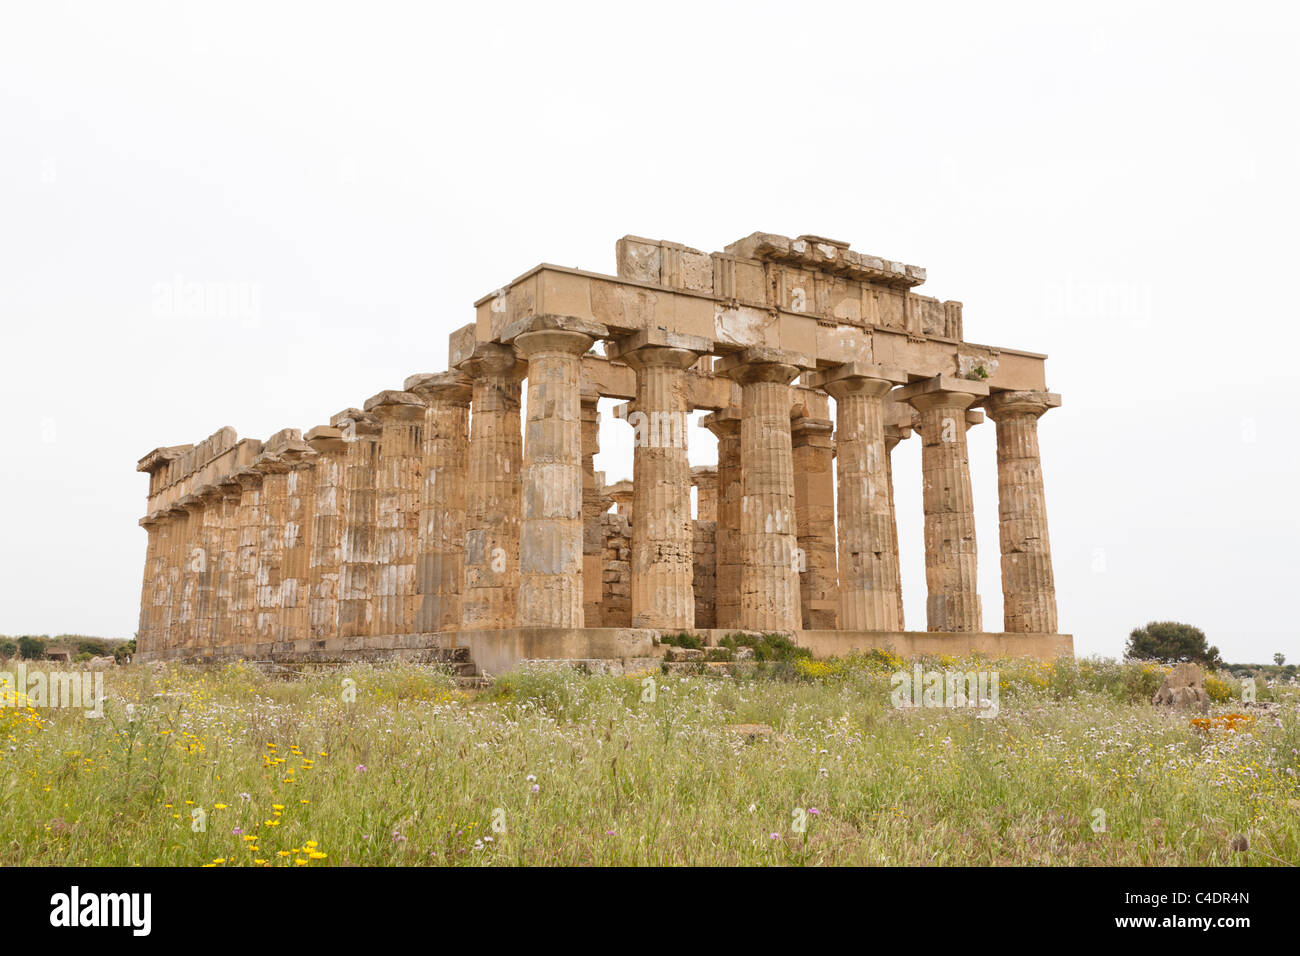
[{"x": 531, "y": 777}]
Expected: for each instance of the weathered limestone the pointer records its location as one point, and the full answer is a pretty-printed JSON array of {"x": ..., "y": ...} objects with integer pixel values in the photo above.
[
  {"x": 398, "y": 473},
  {"x": 250, "y": 534},
  {"x": 814, "y": 510},
  {"x": 426, "y": 525},
  {"x": 870, "y": 586},
  {"x": 1183, "y": 689},
  {"x": 357, "y": 549},
  {"x": 769, "y": 579},
  {"x": 550, "y": 550},
  {"x": 662, "y": 544},
  {"x": 953, "y": 602},
  {"x": 493, "y": 503},
  {"x": 594, "y": 504},
  {"x": 326, "y": 531},
  {"x": 1028, "y": 590},
  {"x": 440, "y": 565},
  {"x": 725, "y": 425},
  {"x": 704, "y": 479}
]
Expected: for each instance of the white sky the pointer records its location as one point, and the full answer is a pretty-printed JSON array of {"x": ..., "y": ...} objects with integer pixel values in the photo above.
[{"x": 1114, "y": 186}]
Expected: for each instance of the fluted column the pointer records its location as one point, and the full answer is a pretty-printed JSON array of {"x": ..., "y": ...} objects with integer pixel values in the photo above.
[
  {"x": 953, "y": 602},
  {"x": 550, "y": 555},
  {"x": 725, "y": 425},
  {"x": 270, "y": 550},
  {"x": 814, "y": 508},
  {"x": 361, "y": 433},
  {"x": 1028, "y": 588},
  {"x": 295, "y": 568},
  {"x": 662, "y": 535},
  {"x": 398, "y": 476},
  {"x": 870, "y": 590},
  {"x": 893, "y": 435},
  {"x": 208, "y": 573},
  {"x": 184, "y": 633},
  {"x": 440, "y": 562},
  {"x": 594, "y": 504},
  {"x": 250, "y": 536},
  {"x": 146, "y": 635},
  {"x": 328, "y": 497},
  {"x": 493, "y": 501},
  {"x": 769, "y": 579},
  {"x": 228, "y": 568}
]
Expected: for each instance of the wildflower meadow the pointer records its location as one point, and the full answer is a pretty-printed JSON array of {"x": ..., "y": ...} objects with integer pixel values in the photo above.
[{"x": 812, "y": 763}]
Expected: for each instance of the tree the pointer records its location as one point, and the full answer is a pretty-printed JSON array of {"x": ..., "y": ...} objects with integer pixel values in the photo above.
[
  {"x": 1279, "y": 659},
  {"x": 91, "y": 649},
  {"x": 124, "y": 650},
  {"x": 1172, "y": 643},
  {"x": 8, "y": 648},
  {"x": 31, "y": 648}
]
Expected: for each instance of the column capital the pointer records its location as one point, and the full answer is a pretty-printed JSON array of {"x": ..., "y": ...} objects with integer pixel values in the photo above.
[
  {"x": 704, "y": 476},
  {"x": 443, "y": 388},
  {"x": 762, "y": 364},
  {"x": 391, "y": 405},
  {"x": 723, "y": 422},
  {"x": 569, "y": 334},
  {"x": 856, "y": 378},
  {"x": 492, "y": 360},
  {"x": 658, "y": 348},
  {"x": 810, "y": 431},
  {"x": 326, "y": 440},
  {"x": 942, "y": 391},
  {"x": 1002, "y": 405}
]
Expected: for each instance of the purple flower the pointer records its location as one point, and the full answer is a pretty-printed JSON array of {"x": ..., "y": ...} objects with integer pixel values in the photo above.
[
  {"x": 238, "y": 831},
  {"x": 772, "y": 835},
  {"x": 536, "y": 788},
  {"x": 814, "y": 811},
  {"x": 361, "y": 768}
]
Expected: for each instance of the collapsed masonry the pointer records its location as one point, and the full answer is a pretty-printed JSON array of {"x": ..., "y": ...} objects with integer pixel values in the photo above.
[{"x": 434, "y": 518}]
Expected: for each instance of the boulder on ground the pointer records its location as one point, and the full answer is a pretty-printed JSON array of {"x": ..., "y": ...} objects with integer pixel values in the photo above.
[{"x": 1183, "y": 689}]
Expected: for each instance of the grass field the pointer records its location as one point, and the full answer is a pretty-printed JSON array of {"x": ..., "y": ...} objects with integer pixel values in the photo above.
[{"x": 233, "y": 767}]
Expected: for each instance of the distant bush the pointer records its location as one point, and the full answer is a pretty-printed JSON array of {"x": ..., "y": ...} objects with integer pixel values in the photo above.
[{"x": 1171, "y": 642}]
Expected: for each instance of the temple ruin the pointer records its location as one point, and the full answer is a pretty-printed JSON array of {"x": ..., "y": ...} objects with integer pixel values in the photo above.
[{"x": 438, "y": 519}]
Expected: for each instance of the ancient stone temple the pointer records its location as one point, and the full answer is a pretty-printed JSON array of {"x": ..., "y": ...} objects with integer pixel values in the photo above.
[{"x": 462, "y": 511}]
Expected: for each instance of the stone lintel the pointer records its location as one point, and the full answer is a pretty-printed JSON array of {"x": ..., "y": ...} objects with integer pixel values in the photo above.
[
  {"x": 461, "y": 345},
  {"x": 549, "y": 322}
]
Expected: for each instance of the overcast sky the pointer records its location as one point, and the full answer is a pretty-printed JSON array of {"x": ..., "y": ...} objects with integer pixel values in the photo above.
[{"x": 1114, "y": 186}]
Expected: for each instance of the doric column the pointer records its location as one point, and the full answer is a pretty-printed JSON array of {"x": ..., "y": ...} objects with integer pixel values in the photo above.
[
  {"x": 870, "y": 591},
  {"x": 953, "y": 602},
  {"x": 146, "y": 639},
  {"x": 228, "y": 568},
  {"x": 328, "y": 495},
  {"x": 440, "y": 562},
  {"x": 594, "y": 503},
  {"x": 893, "y": 435},
  {"x": 398, "y": 476},
  {"x": 295, "y": 562},
  {"x": 1028, "y": 589},
  {"x": 725, "y": 425},
  {"x": 361, "y": 433},
  {"x": 192, "y": 561},
  {"x": 270, "y": 549},
  {"x": 769, "y": 579},
  {"x": 662, "y": 535},
  {"x": 208, "y": 572},
  {"x": 250, "y": 537},
  {"x": 550, "y": 550},
  {"x": 493, "y": 501},
  {"x": 814, "y": 510}
]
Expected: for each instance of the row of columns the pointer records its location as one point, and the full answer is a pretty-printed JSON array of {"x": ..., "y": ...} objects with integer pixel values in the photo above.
[{"x": 412, "y": 516}]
